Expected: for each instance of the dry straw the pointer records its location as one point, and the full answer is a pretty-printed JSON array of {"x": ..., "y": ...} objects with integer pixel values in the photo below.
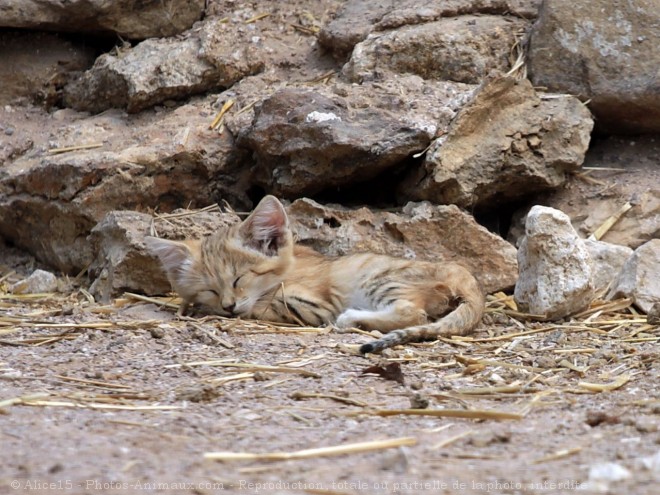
[{"x": 352, "y": 448}]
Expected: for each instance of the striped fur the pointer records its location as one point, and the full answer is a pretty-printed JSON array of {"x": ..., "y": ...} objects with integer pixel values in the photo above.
[{"x": 254, "y": 270}]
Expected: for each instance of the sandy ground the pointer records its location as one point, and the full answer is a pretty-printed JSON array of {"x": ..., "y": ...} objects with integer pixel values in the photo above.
[{"x": 128, "y": 398}]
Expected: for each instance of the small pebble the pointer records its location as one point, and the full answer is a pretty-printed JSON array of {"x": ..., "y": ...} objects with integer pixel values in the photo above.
[
  {"x": 419, "y": 401},
  {"x": 157, "y": 332}
]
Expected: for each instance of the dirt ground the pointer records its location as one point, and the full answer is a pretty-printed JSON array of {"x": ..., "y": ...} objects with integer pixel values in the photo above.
[{"x": 128, "y": 398}]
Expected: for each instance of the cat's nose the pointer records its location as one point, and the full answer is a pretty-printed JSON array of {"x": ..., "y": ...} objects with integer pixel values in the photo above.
[{"x": 230, "y": 308}]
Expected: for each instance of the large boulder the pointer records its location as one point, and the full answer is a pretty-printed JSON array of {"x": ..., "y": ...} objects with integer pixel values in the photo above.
[
  {"x": 506, "y": 144},
  {"x": 605, "y": 52},
  {"x": 555, "y": 269},
  {"x": 304, "y": 142},
  {"x": 213, "y": 56},
  {"x": 462, "y": 49},
  {"x": 640, "y": 277},
  {"x": 419, "y": 231},
  {"x": 134, "y": 19},
  {"x": 358, "y": 18}
]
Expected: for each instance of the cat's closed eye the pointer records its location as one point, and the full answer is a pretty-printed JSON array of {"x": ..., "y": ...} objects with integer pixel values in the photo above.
[
  {"x": 210, "y": 292},
  {"x": 235, "y": 284}
]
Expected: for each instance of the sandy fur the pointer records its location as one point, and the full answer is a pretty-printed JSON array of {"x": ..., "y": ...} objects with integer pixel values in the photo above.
[{"x": 254, "y": 270}]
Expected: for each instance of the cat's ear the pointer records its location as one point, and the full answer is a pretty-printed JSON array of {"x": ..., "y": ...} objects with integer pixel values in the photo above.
[
  {"x": 175, "y": 256},
  {"x": 267, "y": 227}
]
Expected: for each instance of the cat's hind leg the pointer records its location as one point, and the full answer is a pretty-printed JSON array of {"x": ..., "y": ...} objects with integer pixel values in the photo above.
[{"x": 400, "y": 314}]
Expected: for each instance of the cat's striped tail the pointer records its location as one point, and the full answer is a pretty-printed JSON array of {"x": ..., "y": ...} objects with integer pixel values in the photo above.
[{"x": 460, "y": 321}]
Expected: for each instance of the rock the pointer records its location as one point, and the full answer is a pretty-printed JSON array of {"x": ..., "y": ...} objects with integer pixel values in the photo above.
[
  {"x": 608, "y": 259},
  {"x": 627, "y": 172},
  {"x": 210, "y": 57},
  {"x": 122, "y": 262},
  {"x": 462, "y": 49},
  {"x": 50, "y": 202},
  {"x": 603, "y": 474},
  {"x": 420, "y": 230},
  {"x": 352, "y": 24},
  {"x": 640, "y": 277},
  {"x": 36, "y": 66},
  {"x": 357, "y": 18},
  {"x": 304, "y": 142},
  {"x": 653, "y": 315},
  {"x": 506, "y": 144},
  {"x": 39, "y": 282},
  {"x": 605, "y": 53},
  {"x": 134, "y": 19},
  {"x": 554, "y": 266}
]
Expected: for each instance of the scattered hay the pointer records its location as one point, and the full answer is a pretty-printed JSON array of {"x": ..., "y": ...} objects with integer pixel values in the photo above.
[{"x": 504, "y": 373}]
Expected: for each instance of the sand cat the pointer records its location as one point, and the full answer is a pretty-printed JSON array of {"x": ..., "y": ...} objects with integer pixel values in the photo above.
[{"x": 254, "y": 270}]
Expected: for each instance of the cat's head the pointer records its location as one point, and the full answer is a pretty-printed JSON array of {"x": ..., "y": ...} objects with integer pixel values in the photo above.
[{"x": 231, "y": 270}]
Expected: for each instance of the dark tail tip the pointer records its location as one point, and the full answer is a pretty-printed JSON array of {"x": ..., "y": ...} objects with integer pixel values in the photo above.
[{"x": 365, "y": 348}]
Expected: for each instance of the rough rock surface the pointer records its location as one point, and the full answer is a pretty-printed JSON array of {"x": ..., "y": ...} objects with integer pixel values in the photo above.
[
  {"x": 421, "y": 231},
  {"x": 174, "y": 160},
  {"x": 212, "y": 56},
  {"x": 604, "y": 52},
  {"x": 60, "y": 197},
  {"x": 36, "y": 65},
  {"x": 418, "y": 231},
  {"x": 554, "y": 266},
  {"x": 135, "y": 19},
  {"x": 357, "y": 18},
  {"x": 122, "y": 262},
  {"x": 507, "y": 143},
  {"x": 625, "y": 171},
  {"x": 640, "y": 277},
  {"x": 608, "y": 259},
  {"x": 304, "y": 142},
  {"x": 463, "y": 49}
]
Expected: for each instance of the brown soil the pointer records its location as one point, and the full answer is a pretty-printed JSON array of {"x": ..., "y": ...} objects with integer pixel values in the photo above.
[{"x": 74, "y": 375}]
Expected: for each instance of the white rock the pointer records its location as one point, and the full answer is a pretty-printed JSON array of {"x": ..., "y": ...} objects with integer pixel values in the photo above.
[
  {"x": 601, "y": 475},
  {"x": 640, "y": 277},
  {"x": 38, "y": 282},
  {"x": 321, "y": 116},
  {"x": 554, "y": 266},
  {"x": 608, "y": 259}
]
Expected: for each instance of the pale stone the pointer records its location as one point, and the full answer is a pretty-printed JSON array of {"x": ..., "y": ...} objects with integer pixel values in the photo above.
[
  {"x": 640, "y": 277},
  {"x": 39, "y": 282},
  {"x": 608, "y": 259},
  {"x": 554, "y": 266}
]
